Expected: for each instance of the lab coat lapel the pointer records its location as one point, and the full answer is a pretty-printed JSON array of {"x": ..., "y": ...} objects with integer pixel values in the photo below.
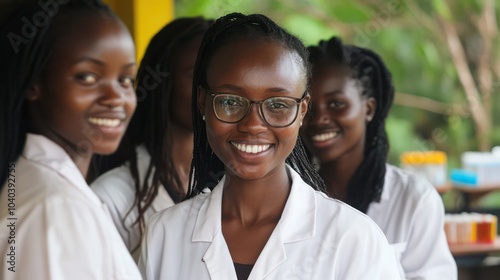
[
  {"x": 300, "y": 207},
  {"x": 218, "y": 259},
  {"x": 208, "y": 228},
  {"x": 271, "y": 256}
]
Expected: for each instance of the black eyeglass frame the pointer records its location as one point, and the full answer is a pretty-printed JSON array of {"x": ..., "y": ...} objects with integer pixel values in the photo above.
[{"x": 259, "y": 103}]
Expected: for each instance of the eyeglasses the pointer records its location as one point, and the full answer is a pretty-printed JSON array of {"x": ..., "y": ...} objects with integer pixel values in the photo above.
[{"x": 280, "y": 111}]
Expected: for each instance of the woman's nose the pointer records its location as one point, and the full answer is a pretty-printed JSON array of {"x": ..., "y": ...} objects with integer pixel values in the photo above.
[
  {"x": 114, "y": 95},
  {"x": 253, "y": 121},
  {"x": 319, "y": 116}
]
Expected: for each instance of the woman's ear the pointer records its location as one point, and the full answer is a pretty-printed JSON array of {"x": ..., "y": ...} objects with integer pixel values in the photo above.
[
  {"x": 201, "y": 100},
  {"x": 304, "y": 105},
  {"x": 371, "y": 107}
]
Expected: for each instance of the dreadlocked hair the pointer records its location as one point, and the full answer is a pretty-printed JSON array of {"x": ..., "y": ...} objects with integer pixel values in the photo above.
[
  {"x": 28, "y": 34},
  {"x": 151, "y": 124},
  {"x": 206, "y": 168},
  {"x": 375, "y": 80}
]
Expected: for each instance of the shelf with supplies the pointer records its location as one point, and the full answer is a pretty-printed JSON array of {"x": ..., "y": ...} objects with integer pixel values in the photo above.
[
  {"x": 477, "y": 189},
  {"x": 475, "y": 248},
  {"x": 471, "y": 194},
  {"x": 480, "y": 173}
]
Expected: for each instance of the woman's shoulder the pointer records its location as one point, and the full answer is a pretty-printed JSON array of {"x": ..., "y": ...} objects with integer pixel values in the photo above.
[
  {"x": 180, "y": 212},
  {"x": 54, "y": 181},
  {"x": 119, "y": 180},
  {"x": 50, "y": 204},
  {"x": 116, "y": 180},
  {"x": 339, "y": 219},
  {"x": 339, "y": 210}
]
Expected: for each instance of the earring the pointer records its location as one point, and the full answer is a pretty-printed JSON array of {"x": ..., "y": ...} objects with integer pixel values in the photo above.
[
  {"x": 301, "y": 123},
  {"x": 203, "y": 117}
]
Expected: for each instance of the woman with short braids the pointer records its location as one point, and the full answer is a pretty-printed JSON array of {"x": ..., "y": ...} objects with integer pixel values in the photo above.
[
  {"x": 265, "y": 216},
  {"x": 67, "y": 93},
  {"x": 352, "y": 93}
]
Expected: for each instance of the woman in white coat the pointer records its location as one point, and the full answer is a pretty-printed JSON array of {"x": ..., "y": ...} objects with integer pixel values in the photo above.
[
  {"x": 263, "y": 219},
  {"x": 67, "y": 93},
  {"x": 351, "y": 94}
]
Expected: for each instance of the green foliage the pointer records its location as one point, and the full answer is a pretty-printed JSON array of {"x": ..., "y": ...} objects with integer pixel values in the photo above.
[
  {"x": 349, "y": 12},
  {"x": 441, "y": 8},
  {"x": 308, "y": 29}
]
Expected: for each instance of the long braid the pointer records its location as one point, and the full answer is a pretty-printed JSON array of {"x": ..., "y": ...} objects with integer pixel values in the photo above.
[
  {"x": 368, "y": 68},
  {"x": 24, "y": 55},
  {"x": 207, "y": 169}
]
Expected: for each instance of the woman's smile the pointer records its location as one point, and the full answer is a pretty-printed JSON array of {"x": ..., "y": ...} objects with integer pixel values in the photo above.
[{"x": 251, "y": 149}]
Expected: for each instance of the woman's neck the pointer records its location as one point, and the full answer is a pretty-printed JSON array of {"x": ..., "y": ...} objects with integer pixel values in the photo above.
[{"x": 252, "y": 202}]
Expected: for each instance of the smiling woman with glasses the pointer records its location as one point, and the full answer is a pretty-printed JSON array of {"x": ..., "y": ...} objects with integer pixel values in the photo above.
[{"x": 262, "y": 183}]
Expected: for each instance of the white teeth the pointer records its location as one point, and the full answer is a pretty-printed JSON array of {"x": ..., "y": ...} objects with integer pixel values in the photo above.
[
  {"x": 324, "y": 136},
  {"x": 105, "y": 122},
  {"x": 251, "y": 149}
]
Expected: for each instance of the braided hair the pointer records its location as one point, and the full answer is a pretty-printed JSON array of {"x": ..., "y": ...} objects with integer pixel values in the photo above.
[
  {"x": 375, "y": 79},
  {"x": 151, "y": 124},
  {"x": 206, "y": 168},
  {"x": 28, "y": 35}
]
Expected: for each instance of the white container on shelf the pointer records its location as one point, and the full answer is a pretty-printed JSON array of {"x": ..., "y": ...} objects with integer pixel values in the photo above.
[
  {"x": 431, "y": 165},
  {"x": 485, "y": 165},
  {"x": 496, "y": 151}
]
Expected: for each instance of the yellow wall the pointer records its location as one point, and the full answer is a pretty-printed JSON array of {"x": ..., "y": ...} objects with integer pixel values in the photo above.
[{"x": 143, "y": 18}]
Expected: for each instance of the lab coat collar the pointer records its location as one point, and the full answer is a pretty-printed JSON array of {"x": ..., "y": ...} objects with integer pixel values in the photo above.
[
  {"x": 297, "y": 208},
  {"x": 300, "y": 206},
  {"x": 44, "y": 151}
]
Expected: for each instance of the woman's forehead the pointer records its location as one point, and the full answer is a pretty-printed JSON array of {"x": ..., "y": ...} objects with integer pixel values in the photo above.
[{"x": 256, "y": 62}]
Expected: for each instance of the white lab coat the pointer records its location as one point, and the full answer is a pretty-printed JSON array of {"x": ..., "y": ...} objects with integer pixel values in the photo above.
[
  {"x": 62, "y": 230},
  {"x": 316, "y": 238},
  {"x": 116, "y": 189},
  {"x": 411, "y": 214}
]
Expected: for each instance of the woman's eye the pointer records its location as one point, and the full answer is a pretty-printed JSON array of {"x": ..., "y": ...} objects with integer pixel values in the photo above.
[
  {"x": 277, "y": 105},
  {"x": 230, "y": 102},
  {"x": 336, "y": 104},
  {"x": 127, "y": 81},
  {"x": 87, "y": 78}
]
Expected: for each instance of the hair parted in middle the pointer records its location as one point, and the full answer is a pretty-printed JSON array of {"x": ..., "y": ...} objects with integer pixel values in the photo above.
[
  {"x": 207, "y": 169},
  {"x": 375, "y": 80}
]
